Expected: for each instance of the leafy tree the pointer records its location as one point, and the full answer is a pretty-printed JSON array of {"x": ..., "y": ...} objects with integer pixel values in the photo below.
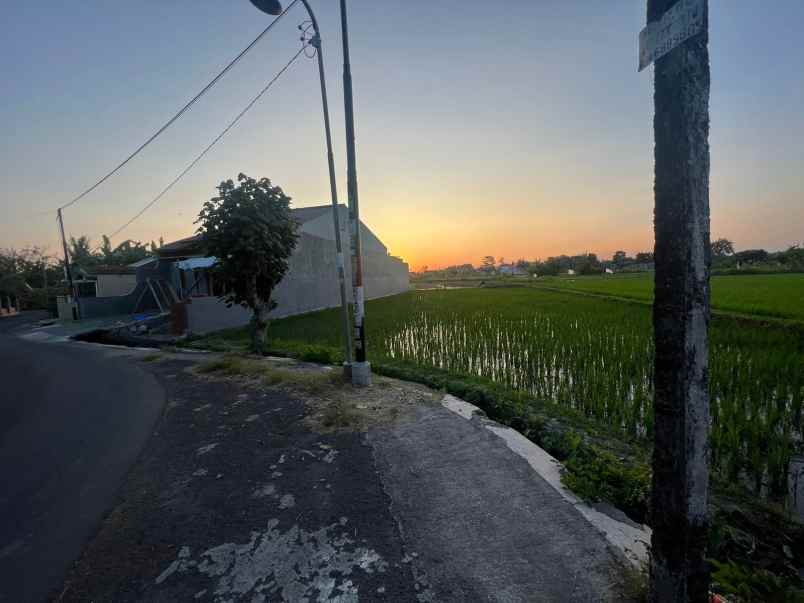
[
  {"x": 106, "y": 248},
  {"x": 250, "y": 230},
  {"x": 644, "y": 257},
  {"x": 81, "y": 252},
  {"x": 556, "y": 265},
  {"x": 587, "y": 264},
  {"x": 126, "y": 253},
  {"x": 752, "y": 256},
  {"x": 154, "y": 246},
  {"x": 722, "y": 248},
  {"x": 620, "y": 258},
  {"x": 25, "y": 273},
  {"x": 793, "y": 258},
  {"x": 487, "y": 264}
]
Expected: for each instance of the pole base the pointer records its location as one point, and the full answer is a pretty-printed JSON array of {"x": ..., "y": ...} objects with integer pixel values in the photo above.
[
  {"x": 347, "y": 372},
  {"x": 361, "y": 374}
]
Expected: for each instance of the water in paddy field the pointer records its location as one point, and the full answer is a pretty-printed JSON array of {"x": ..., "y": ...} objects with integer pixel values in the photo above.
[{"x": 602, "y": 366}]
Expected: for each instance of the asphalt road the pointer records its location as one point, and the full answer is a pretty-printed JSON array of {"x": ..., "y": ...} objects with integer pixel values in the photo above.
[{"x": 74, "y": 419}]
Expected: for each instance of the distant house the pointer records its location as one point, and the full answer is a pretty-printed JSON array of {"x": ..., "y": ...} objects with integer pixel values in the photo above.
[
  {"x": 311, "y": 283},
  {"x": 571, "y": 272}
]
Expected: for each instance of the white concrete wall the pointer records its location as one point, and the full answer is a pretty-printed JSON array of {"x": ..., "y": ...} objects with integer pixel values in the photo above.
[
  {"x": 207, "y": 314},
  {"x": 323, "y": 227},
  {"x": 114, "y": 285},
  {"x": 311, "y": 284},
  {"x": 64, "y": 307}
]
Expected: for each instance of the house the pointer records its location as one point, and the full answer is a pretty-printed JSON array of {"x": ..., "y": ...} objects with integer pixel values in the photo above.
[
  {"x": 113, "y": 281},
  {"x": 311, "y": 283},
  {"x": 178, "y": 284},
  {"x": 107, "y": 291}
]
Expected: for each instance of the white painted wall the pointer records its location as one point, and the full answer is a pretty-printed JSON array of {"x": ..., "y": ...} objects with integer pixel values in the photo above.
[
  {"x": 114, "y": 285},
  {"x": 323, "y": 227},
  {"x": 311, "y": 284}
]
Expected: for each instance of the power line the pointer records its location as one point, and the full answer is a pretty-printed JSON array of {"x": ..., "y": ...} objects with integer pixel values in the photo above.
[
  {"x": 182, "y": 110},
  {"x": 212, "y": 144}
]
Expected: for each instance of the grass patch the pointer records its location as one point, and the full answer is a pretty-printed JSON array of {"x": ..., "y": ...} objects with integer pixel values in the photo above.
[
  {"x": 635, "y": 583},
  {"x": 313, "y": 382},
  {"x": 339, "y": 415},
  {"x": 760, "y": 295},
  {"x": 753, "y": 585},
  {"x": 153, "y": 357}
]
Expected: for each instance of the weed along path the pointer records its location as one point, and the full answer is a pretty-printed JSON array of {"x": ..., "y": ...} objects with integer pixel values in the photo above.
[{"x": 272, "y": 480}]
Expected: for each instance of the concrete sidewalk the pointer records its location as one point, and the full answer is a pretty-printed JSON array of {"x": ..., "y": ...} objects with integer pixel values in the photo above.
[{"x": 310, "y": 490}]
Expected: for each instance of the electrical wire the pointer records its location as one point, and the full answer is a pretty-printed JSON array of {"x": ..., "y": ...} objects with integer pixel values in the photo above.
[
  {"x": 212, "y": 144},
  {"x": 182, "y": 110}
]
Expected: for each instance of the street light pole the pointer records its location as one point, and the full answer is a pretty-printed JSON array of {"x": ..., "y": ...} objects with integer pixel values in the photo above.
[
  {"x": 361, "y": 369},
  {"x": 273, "y": 7}
]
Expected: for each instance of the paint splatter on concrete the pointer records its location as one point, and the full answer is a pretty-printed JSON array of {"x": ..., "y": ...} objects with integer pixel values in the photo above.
[
  {"x": 204, "y": 449},
  {"x": 263, "y": 491},
  {"x": 202, "y": 408},
  {"x": 200, "y": 472},
  {"x": 288, "y": 501},
  {"x": 295, "y": 565}
]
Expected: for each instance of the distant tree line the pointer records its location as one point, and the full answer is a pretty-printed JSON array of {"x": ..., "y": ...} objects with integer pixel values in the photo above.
[
  {"x": 32, "y": 276},
  {"x": 724, "y": 259}
]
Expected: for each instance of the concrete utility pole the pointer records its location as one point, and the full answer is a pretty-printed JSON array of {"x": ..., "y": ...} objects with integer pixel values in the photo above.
[
  {"x": 68, "y": 271},
  {"x": 677, "y": 39},
  {"x": 361, "y": 369}
]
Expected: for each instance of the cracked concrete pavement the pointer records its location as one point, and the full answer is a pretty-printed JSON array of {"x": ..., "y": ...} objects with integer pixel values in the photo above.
[{"x": 253, "y": 493}]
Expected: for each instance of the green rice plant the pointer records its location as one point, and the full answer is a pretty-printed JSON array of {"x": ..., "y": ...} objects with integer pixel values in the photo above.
[{"x": 592, "y": 357}]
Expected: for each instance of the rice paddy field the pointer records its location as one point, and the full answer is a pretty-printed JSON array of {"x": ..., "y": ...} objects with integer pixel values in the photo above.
[
  {"x": 762, "y": 295},
  {"x": 594, "y": 356}
]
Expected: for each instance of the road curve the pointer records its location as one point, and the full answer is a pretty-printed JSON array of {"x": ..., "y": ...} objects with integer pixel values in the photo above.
[{"x": 74, "y": 419}]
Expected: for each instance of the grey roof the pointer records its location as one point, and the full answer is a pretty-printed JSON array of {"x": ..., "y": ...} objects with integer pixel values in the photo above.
[
  {"x": 193, "y": 247},
  {"x": 305, "y": 214},
  {"x": 143, "y": 262},
  {"x": 188, "y": 247}
]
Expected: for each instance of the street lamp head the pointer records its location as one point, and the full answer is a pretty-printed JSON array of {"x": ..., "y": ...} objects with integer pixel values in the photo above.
[{"x": 271, "y": 7}]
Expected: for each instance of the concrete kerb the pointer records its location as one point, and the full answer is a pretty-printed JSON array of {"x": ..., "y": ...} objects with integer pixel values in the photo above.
[{"x": 629, "y": 538}]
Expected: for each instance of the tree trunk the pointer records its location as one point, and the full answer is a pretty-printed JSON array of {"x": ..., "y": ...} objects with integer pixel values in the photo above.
[
  {"x": 259, "y": 325},
  {"x": 259, "y": 322},
  {"x": 681, "y": 318}
]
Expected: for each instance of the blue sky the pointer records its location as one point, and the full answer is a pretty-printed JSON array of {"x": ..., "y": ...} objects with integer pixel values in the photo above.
[{"x": 518, "y": 129}]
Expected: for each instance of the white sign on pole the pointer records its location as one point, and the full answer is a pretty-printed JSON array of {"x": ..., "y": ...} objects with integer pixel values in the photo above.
[{"x": 684, "y": 20}]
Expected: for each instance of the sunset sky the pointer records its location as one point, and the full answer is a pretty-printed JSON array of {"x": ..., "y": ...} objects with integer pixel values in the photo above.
[{"x": 518, "y": 128}]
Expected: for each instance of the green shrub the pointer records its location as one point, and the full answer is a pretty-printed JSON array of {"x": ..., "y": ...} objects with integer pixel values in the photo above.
[{"x": 752, "y": 585}]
